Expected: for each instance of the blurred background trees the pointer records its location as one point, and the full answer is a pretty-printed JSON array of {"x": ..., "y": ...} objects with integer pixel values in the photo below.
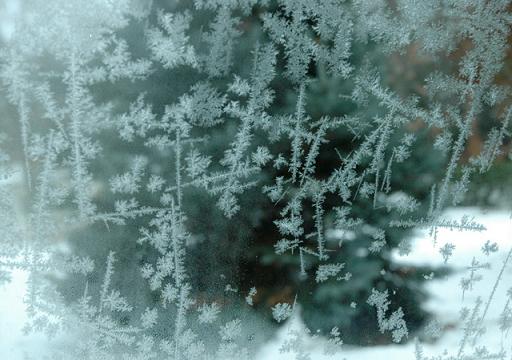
[{"x": 241, "y": 253}]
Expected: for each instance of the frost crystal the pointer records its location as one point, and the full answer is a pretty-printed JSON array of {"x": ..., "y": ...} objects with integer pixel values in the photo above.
[{"x": 162, "y": 160}]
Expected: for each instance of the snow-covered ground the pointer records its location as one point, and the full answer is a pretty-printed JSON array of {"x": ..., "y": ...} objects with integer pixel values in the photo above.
[
  {"x": 445, "y": 301},
  {"x": 14, "y": 345},
  {"x": 446, "y": 294}
]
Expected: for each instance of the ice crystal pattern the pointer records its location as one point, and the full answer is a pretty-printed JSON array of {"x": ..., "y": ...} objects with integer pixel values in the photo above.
[{"x": 60, "y": 67}]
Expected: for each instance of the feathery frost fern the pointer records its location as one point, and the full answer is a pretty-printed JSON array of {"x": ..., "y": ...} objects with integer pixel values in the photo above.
[{"x": 227, "y": 62}]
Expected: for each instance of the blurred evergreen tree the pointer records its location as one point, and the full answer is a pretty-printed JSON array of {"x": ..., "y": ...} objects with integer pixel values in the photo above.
[{"x": 240, "y": 252}]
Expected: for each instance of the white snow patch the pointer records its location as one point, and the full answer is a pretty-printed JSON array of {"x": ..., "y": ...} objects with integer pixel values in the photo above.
[{"x": 445, "y": 293}]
